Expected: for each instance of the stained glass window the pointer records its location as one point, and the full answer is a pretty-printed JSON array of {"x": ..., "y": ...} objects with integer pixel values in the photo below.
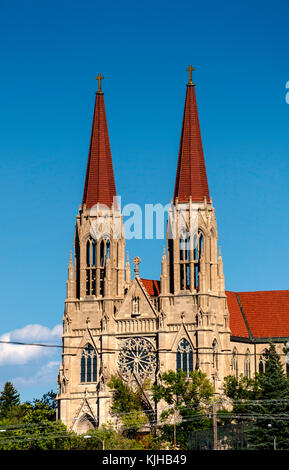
[
  {"x": 88, "y": 364},
  {"x": 185, "y": 357}
]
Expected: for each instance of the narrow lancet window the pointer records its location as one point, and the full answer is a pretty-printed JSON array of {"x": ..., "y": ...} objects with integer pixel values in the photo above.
[
  {"x": 261, "y": 366},
  {"x": 235, "y": 363},
  {"x": 135, "y": 306},
  {"x": 247, "y": 365},
  {"x": 184, "y": 263},
  {"x": 184, "y": 357},
  {"x": 91, "y": 267},
  {"x": 88, "y": 364},
  {"x": 198, "y": 251},
  {"x": 215, "y": 354}
]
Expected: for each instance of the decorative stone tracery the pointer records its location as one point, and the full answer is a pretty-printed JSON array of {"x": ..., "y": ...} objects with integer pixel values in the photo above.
[{"x": 137, "y": 358}]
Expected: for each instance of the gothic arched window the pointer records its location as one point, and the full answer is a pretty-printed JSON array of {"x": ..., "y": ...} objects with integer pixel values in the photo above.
[
  {"x": 261, "y": 365},
  {"x": 198, "y": 248},
  {"x": 184, "y": 263},
  {"x": 135, "y": 305},
  {"x": 97, "y": 253},
  {"x": 104, "y": 255},
  {"x": 91, "y": 267},
  {"x": 88, "y": 364},
  {"x": 235, "y": 363},
  {"x": 247, "y": 365},
  {"x": 185, "y": 356}
]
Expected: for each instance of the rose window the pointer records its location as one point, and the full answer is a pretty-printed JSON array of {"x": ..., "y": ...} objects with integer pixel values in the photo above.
[{"x": 137, "y": 357}]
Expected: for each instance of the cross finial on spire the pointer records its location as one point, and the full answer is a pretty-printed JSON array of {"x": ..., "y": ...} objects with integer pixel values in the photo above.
[
  {"x": 99, "y": 78},
  {"x": 190, "y": 69}
]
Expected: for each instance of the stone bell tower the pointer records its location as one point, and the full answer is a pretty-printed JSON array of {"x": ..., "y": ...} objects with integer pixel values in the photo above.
[
  {"x": 99, "y": 239},
  {"x": 138, "y": 328},
  {"x": 192, "y": 279},
  {"x": 95, "y": 287}
]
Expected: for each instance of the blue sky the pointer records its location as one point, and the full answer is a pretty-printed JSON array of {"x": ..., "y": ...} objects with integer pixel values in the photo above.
[{"x": 50, "y": 54}]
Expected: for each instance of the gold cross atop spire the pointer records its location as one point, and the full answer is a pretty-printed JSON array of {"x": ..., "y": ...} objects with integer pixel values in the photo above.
[
  {"x": 190, "y": 69},
  {"x": 99, "y": 78}
]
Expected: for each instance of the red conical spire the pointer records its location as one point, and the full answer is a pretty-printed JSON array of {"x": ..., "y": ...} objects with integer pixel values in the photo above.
[
  {"x": 99, "y": 181},
  {"x": 191, "y": 178}
]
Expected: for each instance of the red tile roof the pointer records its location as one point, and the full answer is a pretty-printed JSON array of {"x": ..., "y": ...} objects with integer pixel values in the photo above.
[
  {"x": 237, "y": 322},
  {"x": 261, "y": 314},
  {"x": 99, "y": 182},
  {"x": 191, "y": 178},
  {"x": 151, "y": 286},
  {"x": 266, "y": 313}
]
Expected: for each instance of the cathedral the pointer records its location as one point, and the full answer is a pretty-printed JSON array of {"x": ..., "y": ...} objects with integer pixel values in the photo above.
[{"x": 116, "y": 323}]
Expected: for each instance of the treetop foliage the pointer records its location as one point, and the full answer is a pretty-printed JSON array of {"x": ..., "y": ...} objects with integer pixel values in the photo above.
[
  {"x": 9, "y": 400},
  {"x": 260, "y": 405},
  {"x": 263, "y": 403}
]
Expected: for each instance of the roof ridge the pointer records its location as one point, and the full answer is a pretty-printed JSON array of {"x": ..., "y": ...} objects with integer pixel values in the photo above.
[{"x": 244, "y": 316}]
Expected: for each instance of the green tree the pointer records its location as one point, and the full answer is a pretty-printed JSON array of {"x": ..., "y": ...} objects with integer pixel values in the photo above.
[
  {"x": 33, "y": 427},
  {"x": 262, "y": 404},
  {"x": 128, "y": 406},
  {"x": 37, "y": 429},
  {"x": 48, "y": 399},
  {"x": 106, "y": 437},
  {"x": 240, "y": 389},
  {"x": 187, "y": 401},
  {"x": 271, "y": 408},
  {"x": 9, "y": 400},
  {"x": 37, "y": 412}
]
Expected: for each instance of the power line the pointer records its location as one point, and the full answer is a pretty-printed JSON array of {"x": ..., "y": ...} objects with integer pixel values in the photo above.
[
  {"x": 34, "y": 344},
  {"x": 198, "y": 416},
  {"x": 44, "y": 424},
  {"x": 34, "y": 438},
  {"x": 26, "y": 425},
  {"x": 219, "y": 353}
]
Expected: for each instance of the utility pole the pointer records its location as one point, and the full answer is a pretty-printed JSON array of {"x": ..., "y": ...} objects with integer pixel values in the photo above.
[
  {"x": 175, "y": 430},
  {"x": 215, "y": 429}
]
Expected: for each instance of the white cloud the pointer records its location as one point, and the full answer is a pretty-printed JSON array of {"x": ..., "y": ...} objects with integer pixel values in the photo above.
[
  {"x": 36, "y": 332},
  {"x": 46, "y": 374},
  {"x": 21, "y": 354}
]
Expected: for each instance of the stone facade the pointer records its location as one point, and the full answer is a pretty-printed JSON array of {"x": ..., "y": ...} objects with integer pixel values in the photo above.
[{"x": 115, "y": 324}]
